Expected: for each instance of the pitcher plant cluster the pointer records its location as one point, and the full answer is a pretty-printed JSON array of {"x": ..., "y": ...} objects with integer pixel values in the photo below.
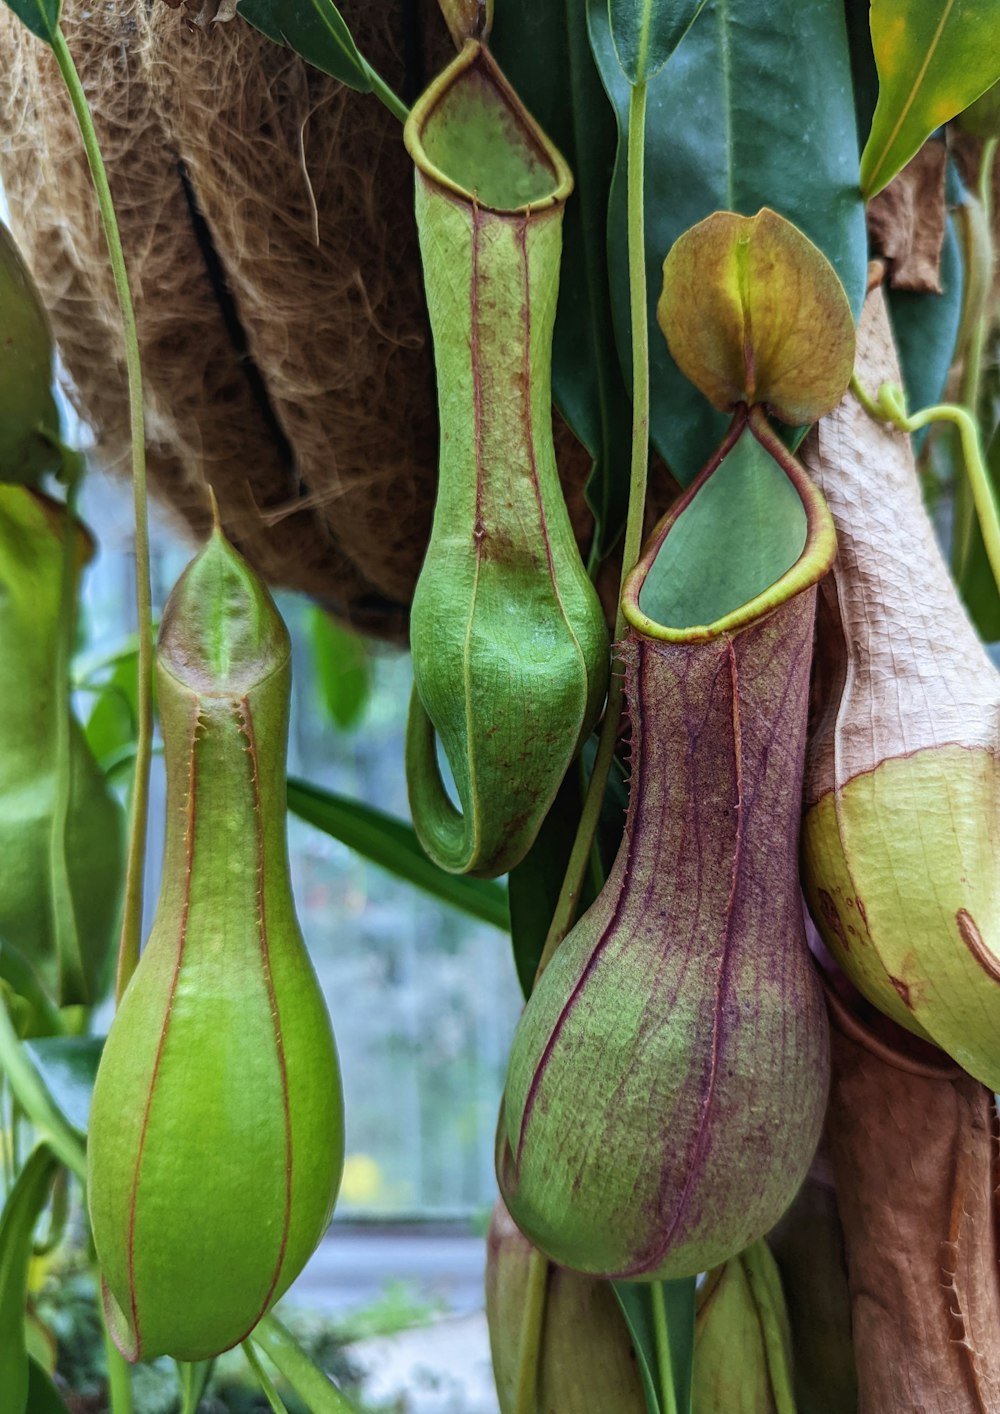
[{"x": 784, "y": 672}]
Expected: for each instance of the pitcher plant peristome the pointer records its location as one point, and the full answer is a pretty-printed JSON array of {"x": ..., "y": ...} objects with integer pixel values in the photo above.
[
  {"x": 688, "y": 984},
  {"x": 510, "y": 650},
  {"x": 216, "y": 1132},
  {"x": 903, "y": 778}
]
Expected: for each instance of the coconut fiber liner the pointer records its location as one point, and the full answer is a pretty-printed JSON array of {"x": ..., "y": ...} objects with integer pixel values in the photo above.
[{"x": 266, "y": 216}]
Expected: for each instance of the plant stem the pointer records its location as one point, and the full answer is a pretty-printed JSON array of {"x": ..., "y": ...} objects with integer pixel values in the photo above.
[
  {"x": 890, "y": 407},
  {"x": 384, "y": 93},
  {"x": 263, "y": 1378},
  {"x": 778, "y": 1370},
  {"x": 33, "y": 1098},
  {"x": 119, "y": 1375},
  {"x": 664, "y": 1359},
  {"x": 532, "y": 1317},
  {"x": 576, "y": 869},
  {"x": 965, "y": 505},
  {"x": 69, "y": 952},
  {"x": 128, "y": 955},
  {"x": 316, "y": 1390}
]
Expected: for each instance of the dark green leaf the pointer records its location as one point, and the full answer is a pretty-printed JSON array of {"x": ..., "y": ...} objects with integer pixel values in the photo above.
[
  {"x": 976, "y": 584},
  {"x": 43, "y": 1397},
  {"x": 343, "y": 670},
  {"x": 934, "y": 57},
  {"x": 41, "y": 1015},
  {"x": 316, "y": 30},
  {"x": 535, "y": 884},
  {"x": 393, "y": 844},
  {"x": 636, "y": 1302},
  {"x": 545, "y": 52},
  {"x": 20, "y": 1215},
  {"x": 41, "y": 16},
  {"x": 646, "y": 33},
  {"x": 745, "y": 527},
  {"x": 68, "y": 1067},
  {"x": 754, "y": 109}
]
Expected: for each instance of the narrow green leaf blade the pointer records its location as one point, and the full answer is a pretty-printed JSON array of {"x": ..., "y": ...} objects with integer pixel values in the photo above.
[
  {"x": 40, "y": 16},
  {"x": 313, "y": 1387},
  {"x": 317, "y": 31},
  {"x": 976, "y": 585},
  {"x": 646, "y": 33},
  {"x": 545, "y": 52},
  {"x": 935, "y": 58},
  {"x": 636, "y": 1302},
  {"x": 21, "y": 1212},
  {"x": 720, "y": 139},
  {"x": 393, "y": 844}
]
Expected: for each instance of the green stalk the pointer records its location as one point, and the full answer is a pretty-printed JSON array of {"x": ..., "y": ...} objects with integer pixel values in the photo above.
[
  {"x": 63, "y": 910},
  {"x": 128, "y": 955},
  {"x": 965, "y": 501},
  {"x": 263, "y": 1378},
  {"x": 384, "y": 93},
  {"x": 119, "y": 1376},
  {"x": 664, "y": 1360},
  {"x": 569, "y": 895},
  {"x": 315, "y": 1389},
  {"x": 33, "y": 1098},
  {"x": 532, "y": 1317},
  {"x": 890, "y": 406},
  {"x": 778, "y": 1371}
]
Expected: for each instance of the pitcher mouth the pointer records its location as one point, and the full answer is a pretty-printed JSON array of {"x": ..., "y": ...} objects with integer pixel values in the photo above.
[
  {"x": 470, "y": 123},
  {"x": 653, "y": 601}
]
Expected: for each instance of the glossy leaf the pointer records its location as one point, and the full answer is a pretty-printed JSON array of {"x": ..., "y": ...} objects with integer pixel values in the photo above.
[
  {"x": 534, "y": 885},
  {"x": 935, "y": 58},
  {"x": 342, "y": 667},
  {"x": 719, "y": 138},
  {"x": 753, "y": 312},
  {"x": 646, "y": 33},
  {"x": 393, "y": 844},
  {"x": 545, "y": 52},
  {"x": 41, "y": 16},
  {"x": 636, "y": 1302},
  {"x": 67, "y": 1066},
  {"x": 315, "y": 29},
  {"x": 21, "y": 1211}
]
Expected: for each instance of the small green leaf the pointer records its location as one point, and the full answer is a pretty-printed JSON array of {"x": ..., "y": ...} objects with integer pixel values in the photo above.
[
  {"x": 343, "y": 669},
  {"x": 646, "y": 33},
  {"x": 636, "y": 1302},
  {"x": 935, "y": 58},
  {"x": 41, "y": 16},
  {"x": 20, "y": 976},
  {"x": 43, "y": 1397},
  {"x": 719, "y": 138},
  {"x": 18, "y": 1220},
  {"x": 393, "y": 844},
  {"x": 316, "y": 30},
  {"x": 67, "y": 1066},
  {"x": 753, "y": 312}
]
